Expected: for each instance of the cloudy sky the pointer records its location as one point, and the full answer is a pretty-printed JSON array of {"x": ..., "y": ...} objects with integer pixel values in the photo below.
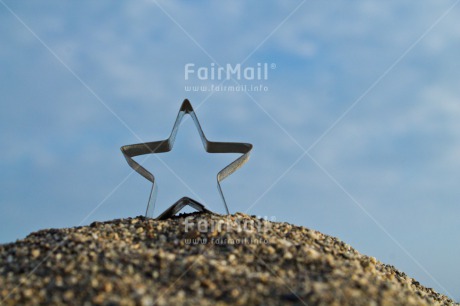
[{"x": 356, "y": 132}]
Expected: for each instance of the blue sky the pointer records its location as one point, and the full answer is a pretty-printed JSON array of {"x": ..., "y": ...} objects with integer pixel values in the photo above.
[{"x": 357, "y": 136}]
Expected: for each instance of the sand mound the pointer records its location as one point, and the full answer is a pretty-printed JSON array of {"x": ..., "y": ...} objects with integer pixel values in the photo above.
[{"x": 199, "y": 260}]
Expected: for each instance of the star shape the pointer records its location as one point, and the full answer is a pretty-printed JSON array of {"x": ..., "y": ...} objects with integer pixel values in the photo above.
[{"x": 162, "y": 146}]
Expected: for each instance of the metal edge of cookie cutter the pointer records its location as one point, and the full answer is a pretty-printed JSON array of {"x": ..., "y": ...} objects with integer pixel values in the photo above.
[
  {"x": 176, "y": 207},
  {"x": 162, "y": 146}
]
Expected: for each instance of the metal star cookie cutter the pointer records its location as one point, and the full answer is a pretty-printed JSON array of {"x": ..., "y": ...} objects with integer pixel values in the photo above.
[{"x": 162, "y": 146}]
